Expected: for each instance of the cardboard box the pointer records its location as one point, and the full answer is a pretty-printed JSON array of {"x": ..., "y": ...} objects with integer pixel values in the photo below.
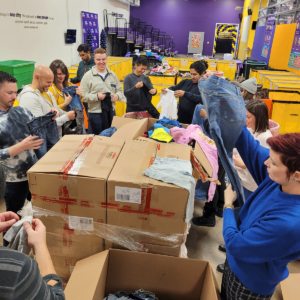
[
  {"x": 69, "y": 183},
  {"x": 130, "y": 129},
  {"x": 290, "y": 287},
  {"x": 147, "y": 205},
  {"x": 117, "y": 270}
]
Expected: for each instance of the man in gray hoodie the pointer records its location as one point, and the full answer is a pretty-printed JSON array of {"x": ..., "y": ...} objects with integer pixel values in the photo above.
[{"x": 37, "y": 98}]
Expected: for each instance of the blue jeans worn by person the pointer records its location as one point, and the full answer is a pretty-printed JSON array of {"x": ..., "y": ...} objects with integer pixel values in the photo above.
[
  {"x": 75, "y": 102},
  {"x": 95, "y": 123},
  {"x": 226, "y": 112},
  {"x": 45, "y": 128},
  {"x": 15, "y": 195}
]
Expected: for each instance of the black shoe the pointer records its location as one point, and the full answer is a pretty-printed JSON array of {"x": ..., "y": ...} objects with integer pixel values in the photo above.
[
  {"x": 220, "y": 268},
  {"x": 222, "y": 248},
  {"x": 219, "y": 212},
  {"x": 203, "y": 221}
]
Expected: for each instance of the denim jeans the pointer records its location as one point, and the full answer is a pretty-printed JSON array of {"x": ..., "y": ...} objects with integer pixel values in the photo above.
[
  {"x": 227, "y": 115},
  {"x": 45, "y": 128},
  {"x": 75, "y": 102},
  {"x": 198, "y": 120},
  {"x": 15, "y": 195},
  {"x": 95, "y": 123}
]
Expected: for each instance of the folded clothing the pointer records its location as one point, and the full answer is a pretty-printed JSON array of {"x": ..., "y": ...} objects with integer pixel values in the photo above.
[
  {"x": 137, "y": 295},
  {"x": 160, "y": 135},
  {"x": 178, "y": 172}
]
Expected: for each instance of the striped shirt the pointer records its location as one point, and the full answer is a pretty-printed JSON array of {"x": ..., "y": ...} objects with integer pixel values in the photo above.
[{"x": 20, "y": 279}]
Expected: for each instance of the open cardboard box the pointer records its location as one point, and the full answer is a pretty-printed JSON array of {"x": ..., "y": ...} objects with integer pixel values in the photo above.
[
  {"x": 170, "y": 278},
  {"x": 133, "y": 129}
]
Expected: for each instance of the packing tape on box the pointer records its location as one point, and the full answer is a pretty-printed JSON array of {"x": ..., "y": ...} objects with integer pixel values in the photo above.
[{"x": 126, "y": 237}]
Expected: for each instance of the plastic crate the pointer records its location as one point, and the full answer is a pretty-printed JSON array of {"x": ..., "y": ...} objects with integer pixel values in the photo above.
[
  {"x": 228, "y": 67},
  {"x": 269, "y": 81},
  {"x": 20, "y": 84},
  {"x": 250, "y": 64},
  {"x": 15, "y": 67},
  {"x": 24, "y": 76}
]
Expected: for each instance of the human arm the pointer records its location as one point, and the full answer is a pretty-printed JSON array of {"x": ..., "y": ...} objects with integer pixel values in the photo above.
[
  {"x": 63, "y": 117},
  {"x": 30, "y": 142},
  {"x": 177, "y": 86},
  {"x": 118, "y": 90},
  {"x": 149, "y": 84},
  {"x": 253, "y": 155},
  {"x": 7, "y": 219},
  {"x": 239, "y": 163},
  {"x": 68, "y": 99},
  {"x": 129, "y": 87},
  {"x": 85, "y": 89}
]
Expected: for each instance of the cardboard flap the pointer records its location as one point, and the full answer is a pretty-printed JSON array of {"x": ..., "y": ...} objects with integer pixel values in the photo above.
[
  {"x": 88, "y": 279},
  {"x": 130, "y": 130},
  {"x": 209, "y": 289},
  {"x": 290, "y": 287},
  {"x": 199, "y": 154},
  {"x": 77, "y": 155},
  {"x": 118, "y": 122}
]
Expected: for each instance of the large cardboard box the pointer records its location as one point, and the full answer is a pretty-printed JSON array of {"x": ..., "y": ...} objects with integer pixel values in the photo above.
[
  {"x": 145, "y": 204},
  {"x": 68, "y": 187},
  {"x": 117, "y": 270},
  {"x": 290, "y": 287}
]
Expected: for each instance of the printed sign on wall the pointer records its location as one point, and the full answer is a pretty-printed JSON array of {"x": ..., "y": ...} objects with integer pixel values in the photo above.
[
  {"x": 294, "y": 61},
  {"x": 90, "y": 27},
  {"x": 268, "y": 36}
]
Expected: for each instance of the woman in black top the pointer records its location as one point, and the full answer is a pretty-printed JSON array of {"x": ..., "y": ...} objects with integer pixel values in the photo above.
[{"x": 188, "y": 92}]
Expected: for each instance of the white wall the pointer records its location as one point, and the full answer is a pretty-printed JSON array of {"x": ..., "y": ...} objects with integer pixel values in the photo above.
[{"x": 47, "y": 42}]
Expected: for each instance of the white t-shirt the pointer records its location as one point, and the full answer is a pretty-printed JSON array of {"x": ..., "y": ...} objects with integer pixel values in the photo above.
[
  {"x": 102, "y": 74},
  {"x": 245, "y": 176}
]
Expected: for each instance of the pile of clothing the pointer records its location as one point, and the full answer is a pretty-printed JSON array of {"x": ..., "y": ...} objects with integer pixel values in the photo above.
[
  {"x": 137, "y": 295},
  {"x": 162, "y": 70}
]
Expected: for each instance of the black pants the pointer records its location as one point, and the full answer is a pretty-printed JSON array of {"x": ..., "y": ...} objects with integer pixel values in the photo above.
[
  {"x": 15, "y": 195},
  {"x": 211, "y": 207}
]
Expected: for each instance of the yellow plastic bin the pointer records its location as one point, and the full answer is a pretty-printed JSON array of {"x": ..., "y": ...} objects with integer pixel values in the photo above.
[
  {"x": 121, "y": 106},
  {"x": 163, "y": 79},
  {"x": 263, "y": 74},
  {"x": 228, "y": 67},
  {"x": 286, "y": 110},
  {"x": 286, "y": 86},
  {"x": 212, "y": 65},
  {"x": 268, "y": 81},
  {"x": 256, "y": 72}
]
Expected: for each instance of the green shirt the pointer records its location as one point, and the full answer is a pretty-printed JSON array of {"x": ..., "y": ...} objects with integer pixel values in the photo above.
[{"x": 82, "y": 69}]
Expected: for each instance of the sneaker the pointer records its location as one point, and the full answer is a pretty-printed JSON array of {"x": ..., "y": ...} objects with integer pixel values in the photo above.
[
  {"x": 220, "y": 268},
  {"x": 222, "y": 248},
  {"x": 203, "y": 221}
]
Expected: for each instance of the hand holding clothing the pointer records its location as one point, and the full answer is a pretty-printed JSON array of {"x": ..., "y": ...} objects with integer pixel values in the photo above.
[
  {"x": 68, "y": 99},
  {"x": 163, "y": 90},
  {"x": 101, "y": 96},
  {"x": 152, "y": 91},
  {"x": 114, "y": 98},
  {"x": 239, "y": 162},
  {"x": 36, "y": 234},
  {"x": 139, "y": 85},
  {"x": 71, "y": 114},
  {"x": 56, "y": 111},
  {"x": 79, "y": 92},
  {"x": 31, "y": 142},
  {"x": 7, "y": 219},
  {"x": 179, "y": 93},
  {"x": 229, "y": 195}
]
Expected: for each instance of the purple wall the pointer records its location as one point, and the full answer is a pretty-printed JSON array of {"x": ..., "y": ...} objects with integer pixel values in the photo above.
[
  {"x": 259, "y": 42},
  {"x": 179, "y": 17}
]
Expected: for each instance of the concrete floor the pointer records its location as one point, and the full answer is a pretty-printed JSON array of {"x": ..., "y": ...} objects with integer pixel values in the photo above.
[{"x": 203, "y": 243}]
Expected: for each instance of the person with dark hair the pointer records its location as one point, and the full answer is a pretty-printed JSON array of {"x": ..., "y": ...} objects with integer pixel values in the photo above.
[
  {"x": 16, "y": 144},
  {"x": 86, "y": 64},
  {"x": 188, "y": 92},
  {"x": 139, "y": 90},
  {"x": 266, "y": 237},
  {"x": 61, "y": 81},
  {"x": 101, "y": 88},
  {"x": 21, "y": 276}
]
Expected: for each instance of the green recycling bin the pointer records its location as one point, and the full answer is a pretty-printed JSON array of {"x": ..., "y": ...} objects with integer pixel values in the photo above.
[{"x": 251, "y": 64}]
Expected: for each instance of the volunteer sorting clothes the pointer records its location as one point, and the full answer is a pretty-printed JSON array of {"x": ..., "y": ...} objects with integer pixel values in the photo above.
[
  {"x": 249, "y": 87},
  {"x": 37, "y": 98},
  {"x": 17, "y": 145},
  {"x": 139, "y": 90},
  {"x": 87, "y": 62},
  {"x": 266, "y": 237},
  {"x": 101, "y": 88},
  {"x": 188, "y": 92}
]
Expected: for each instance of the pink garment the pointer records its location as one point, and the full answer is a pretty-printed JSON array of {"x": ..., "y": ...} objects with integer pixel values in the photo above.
[{"x": 195, "y": 132}]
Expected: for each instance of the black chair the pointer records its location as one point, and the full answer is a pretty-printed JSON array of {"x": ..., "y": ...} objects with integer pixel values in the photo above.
[{"x": 152, "y": 60}]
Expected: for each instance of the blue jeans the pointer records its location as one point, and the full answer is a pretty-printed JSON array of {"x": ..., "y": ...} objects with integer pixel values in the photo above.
[
  {"x": 45, "y": 128},
  {"x": 198, "y": 120},
  {"x": 226, "y": 112},
  {"x": 95, "y": 123},
  {"x": 75, "y": 102}
]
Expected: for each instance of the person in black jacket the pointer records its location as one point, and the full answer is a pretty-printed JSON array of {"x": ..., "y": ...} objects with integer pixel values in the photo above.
[{"x": 188, "y": 92}]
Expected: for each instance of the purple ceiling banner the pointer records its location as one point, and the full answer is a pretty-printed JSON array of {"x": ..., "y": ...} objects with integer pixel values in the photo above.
[{"x": 90, "y": 26}]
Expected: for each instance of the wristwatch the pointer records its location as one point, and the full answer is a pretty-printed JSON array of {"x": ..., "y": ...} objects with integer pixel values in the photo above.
[{"x": 228, "y": 206}]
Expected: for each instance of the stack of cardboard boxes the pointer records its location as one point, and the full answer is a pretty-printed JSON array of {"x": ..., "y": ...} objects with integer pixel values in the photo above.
[{"x": 91, "y": 194}]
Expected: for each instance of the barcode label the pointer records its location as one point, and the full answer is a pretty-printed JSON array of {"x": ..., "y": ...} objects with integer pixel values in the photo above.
[
  {"x": 124, "y": 194},
  {"x": 81, "y": 223},
  {"x": 212, "y": 65},
  {"x": 232, "y": 66}
]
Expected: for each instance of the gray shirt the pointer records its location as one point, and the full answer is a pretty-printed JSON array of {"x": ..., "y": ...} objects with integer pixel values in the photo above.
[{"x": 136, "y": 96}]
